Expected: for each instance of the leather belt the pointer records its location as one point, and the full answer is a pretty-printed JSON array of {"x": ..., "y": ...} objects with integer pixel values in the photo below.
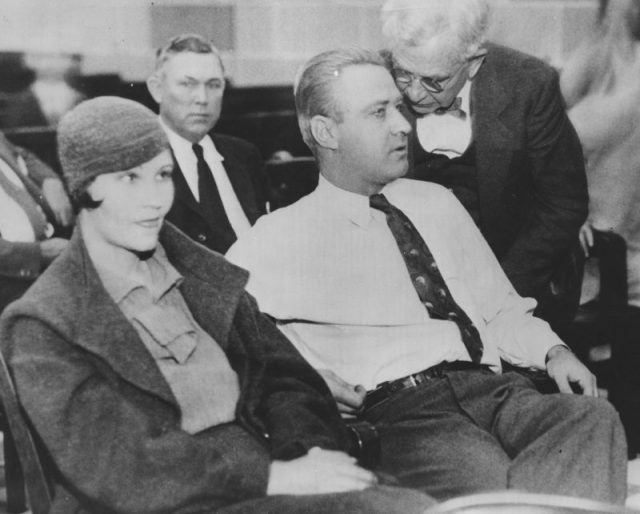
[{"x": 385, "y": 390}]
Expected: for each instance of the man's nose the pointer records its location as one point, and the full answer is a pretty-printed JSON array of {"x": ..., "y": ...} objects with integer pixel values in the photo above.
[
  {"x": 200, "y": 94},
  {"x": 415, "y": 92},
  {"x": 400, "y": 123}
]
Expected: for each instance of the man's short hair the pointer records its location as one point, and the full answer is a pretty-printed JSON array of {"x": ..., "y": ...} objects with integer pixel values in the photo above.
[
  {"x": 313, "y": 86},
  {"x": 186, "y": 43},
  {"x": 448, "y": 31}
]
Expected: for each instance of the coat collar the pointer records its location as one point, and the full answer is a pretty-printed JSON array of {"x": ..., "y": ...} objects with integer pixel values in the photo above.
[{"x": 212, "y": 288}]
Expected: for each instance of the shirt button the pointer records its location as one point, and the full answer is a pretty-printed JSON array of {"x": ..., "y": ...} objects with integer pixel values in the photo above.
[
  {"x": 421, "y": 280},
  {"x": 428, "y": 305},
  {"x": 433, "y": 265},
  {"x": 452, "y": 315},
  {"x": 201, "y": 237},
  {"x": 413, "y": 252},
  {"x": 442, "y": 293}
]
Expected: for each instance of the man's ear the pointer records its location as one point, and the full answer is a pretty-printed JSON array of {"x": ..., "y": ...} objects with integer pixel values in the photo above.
[
  {"x": 154, "y": 86},
  {"x": 324, "y": 131}
]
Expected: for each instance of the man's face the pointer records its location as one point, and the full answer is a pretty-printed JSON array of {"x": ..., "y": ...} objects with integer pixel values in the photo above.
[
  {"x": 372, "y": 134},
  {"x": 134, "y": 203},
  {"x": 429, "y": 85},
  {"x": 189, "y": 89}
]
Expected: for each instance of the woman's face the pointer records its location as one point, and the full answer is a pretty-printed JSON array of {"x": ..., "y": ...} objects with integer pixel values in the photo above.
[{"x": 134, "y": 204}]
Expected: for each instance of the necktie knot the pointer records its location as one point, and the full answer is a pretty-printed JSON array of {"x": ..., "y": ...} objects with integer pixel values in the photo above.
[
  {"x": 197, "y": 149},
  {"x": 454, "y": 109},
  {"x": 380, "y": 202}
]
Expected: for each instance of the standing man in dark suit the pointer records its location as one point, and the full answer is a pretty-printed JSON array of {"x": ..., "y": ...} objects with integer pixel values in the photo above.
[
  {"x": 220, "y": 181},
  {"x": 490, "y": 124},
  {"x": 33, "y": 203}
]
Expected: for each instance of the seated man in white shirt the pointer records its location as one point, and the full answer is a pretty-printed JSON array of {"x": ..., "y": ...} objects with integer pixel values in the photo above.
[
  {"x": 412, "y": 341},
  {"x": 32, "y": 201},
  {"x": 220, "y": 181}
]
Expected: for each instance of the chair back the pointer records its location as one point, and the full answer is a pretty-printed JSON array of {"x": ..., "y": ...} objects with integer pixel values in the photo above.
[
  {"x": 38, "y": 488},
  {"x": 611, "y": 251},
  {"x": 290, "y": 180}
]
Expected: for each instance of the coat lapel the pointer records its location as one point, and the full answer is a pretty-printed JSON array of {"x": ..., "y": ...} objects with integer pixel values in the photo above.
[
  {"x": 106, "y": 332},
  {"x": 239, "y": 178},
  {"x": 212, "y": 286},
  {"x": 493, "y": 138}
]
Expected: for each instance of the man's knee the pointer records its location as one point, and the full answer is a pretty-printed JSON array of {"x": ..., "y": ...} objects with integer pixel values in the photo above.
[{"x": 589, "y": 411}]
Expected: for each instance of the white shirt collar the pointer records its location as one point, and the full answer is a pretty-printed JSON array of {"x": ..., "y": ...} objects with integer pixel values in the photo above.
[
  {"x": 182, "y": 148},
  {"x": 354, "y": 206},
  {"x": 465, "y": 96}
]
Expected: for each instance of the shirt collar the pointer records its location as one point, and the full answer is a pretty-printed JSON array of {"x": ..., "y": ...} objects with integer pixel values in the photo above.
[
  {"x": 163, "y": 274},
  {"x": 465, "y": 96},
  {"x": 353, "y": 206},
  {"x": 183, "y": 148}
]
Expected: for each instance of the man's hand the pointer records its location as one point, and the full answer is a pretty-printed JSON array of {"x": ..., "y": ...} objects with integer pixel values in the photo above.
[
  {"x": 55, "y": 195},
  {"x": 51, "y": 248},
  {"x": 319, "y": 472},
  {"x": 586, "y": 237},
  {"x": 348, "y": 397},
  {"x": 565, "y": 369}
]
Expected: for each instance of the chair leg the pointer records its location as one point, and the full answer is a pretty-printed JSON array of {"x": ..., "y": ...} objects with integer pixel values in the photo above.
[{"x": 14, "y": 479}]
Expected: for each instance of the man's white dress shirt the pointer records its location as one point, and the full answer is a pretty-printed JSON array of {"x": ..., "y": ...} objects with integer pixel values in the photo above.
[
  {"x": 446, "y": 133},
  {"x": 329, "y": 270},
  {"x": 188, "y": 162}
]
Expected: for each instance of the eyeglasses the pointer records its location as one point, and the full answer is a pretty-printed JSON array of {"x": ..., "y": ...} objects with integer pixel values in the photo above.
[{"x": 405, "y": 78}]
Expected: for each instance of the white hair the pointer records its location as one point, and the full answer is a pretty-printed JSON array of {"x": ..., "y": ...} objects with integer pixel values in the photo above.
[{"x": 447, "y": 31}]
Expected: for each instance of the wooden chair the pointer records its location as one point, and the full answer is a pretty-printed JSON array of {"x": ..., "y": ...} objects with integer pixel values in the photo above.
[
  {"x": 290, "y": 180},
  {"x": 21, "y": 442},
  {"x": 603, "y": 320},
  {"x": 507, "y": 502}
]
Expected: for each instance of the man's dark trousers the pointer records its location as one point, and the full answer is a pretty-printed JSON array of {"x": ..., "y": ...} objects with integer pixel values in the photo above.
[{"x": 473, "y": 431}]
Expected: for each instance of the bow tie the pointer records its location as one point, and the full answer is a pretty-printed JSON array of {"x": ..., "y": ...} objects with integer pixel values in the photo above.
[{"x": 453, "y": 109}]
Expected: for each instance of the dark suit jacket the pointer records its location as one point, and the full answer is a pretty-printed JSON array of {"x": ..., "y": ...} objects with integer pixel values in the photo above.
[
  {"x": 107, "y": 416},
  {"x": 20, "y": 262},
  {"x": 532, "y": 189},
  {"x": 245, "y": 169}
]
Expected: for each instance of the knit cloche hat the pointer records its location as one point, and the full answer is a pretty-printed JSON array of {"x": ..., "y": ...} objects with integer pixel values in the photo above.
[{"x": 104, "y": 135}]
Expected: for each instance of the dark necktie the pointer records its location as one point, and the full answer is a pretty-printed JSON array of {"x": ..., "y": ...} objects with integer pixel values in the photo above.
[
  {"x": 426, "y": 277},
  {"x": 210, "y": 201}
]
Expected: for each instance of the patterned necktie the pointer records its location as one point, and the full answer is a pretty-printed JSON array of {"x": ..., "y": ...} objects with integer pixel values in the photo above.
[
  {"x": 210, "y": 201},
  {"x": 454, "y": 109},
  {"x": 425, "y": 275}
]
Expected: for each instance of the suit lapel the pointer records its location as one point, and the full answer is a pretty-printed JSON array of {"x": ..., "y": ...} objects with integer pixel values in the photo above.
[
  {"x": 492, "y": 136},
  {"x": 239, "y": 178}
]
